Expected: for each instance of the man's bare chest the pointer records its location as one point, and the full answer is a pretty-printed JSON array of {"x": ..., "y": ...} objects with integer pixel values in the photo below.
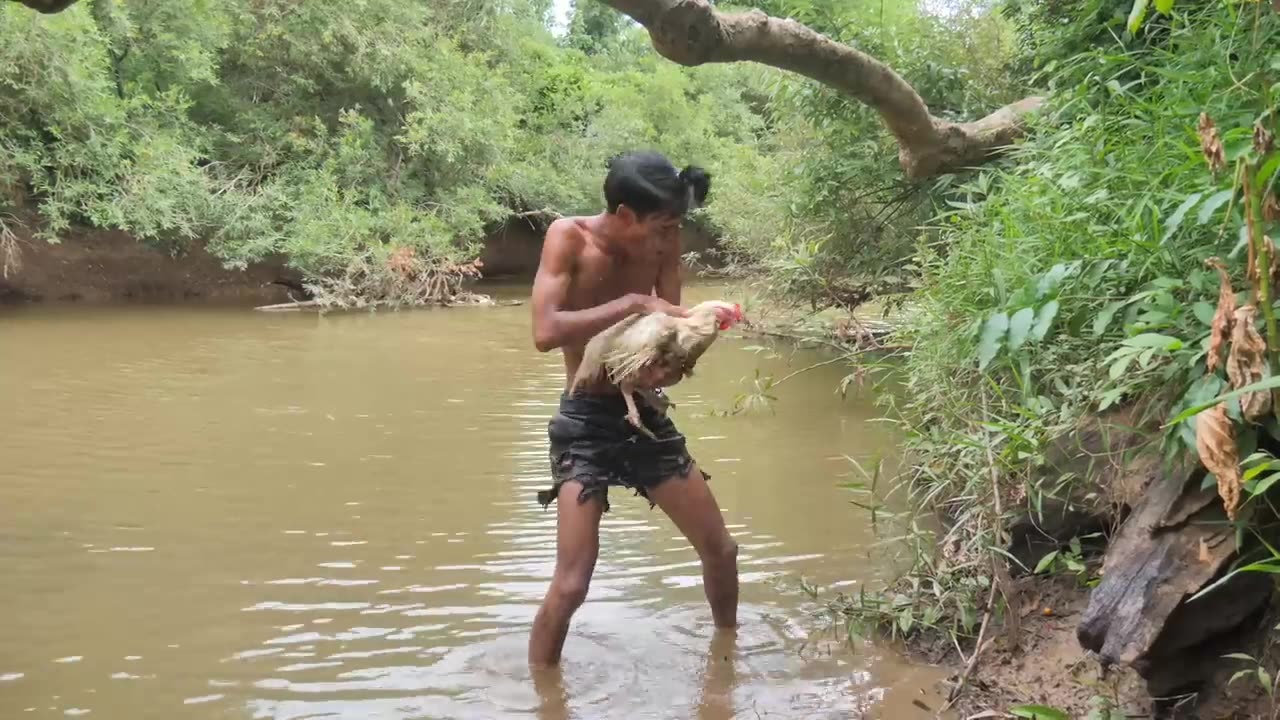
[{"x": 600, "y": 278}]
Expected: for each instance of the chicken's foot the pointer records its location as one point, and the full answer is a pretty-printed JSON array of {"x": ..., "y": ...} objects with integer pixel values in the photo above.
[{"x": 633, "y": 413}]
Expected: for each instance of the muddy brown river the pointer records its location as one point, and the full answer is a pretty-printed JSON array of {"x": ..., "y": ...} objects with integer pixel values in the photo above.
[{"x": 216, "y": 513}]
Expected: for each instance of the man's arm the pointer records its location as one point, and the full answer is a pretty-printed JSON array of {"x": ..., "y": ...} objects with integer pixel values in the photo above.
[{"x": 554, "y": 326}]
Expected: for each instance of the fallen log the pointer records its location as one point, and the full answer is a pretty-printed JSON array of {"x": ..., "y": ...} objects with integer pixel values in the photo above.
[{"x": 1175, "y": 542}]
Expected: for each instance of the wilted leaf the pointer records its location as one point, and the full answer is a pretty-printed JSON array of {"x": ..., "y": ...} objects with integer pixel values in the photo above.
[
  {"x": 1205, "y": 557},
  {"x": 992, "y": 335},
  {"x": 1020, "y": 326},
  {"x": 1044, "y": 321},
  {"x": 1263, "y": 139},
  {"x": 1216, "y": 445},
  {"x": 1247, "y": 363},
  {"x": 1211, "y": 144},
  {"x": 1222, "y": 318}
]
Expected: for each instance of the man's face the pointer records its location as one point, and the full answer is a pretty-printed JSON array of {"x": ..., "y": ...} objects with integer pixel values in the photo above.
[{"x": 656, "y": 225}]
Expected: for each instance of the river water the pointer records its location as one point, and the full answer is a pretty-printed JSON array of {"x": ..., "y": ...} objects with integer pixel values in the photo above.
[{"x": 217, "y": 513}]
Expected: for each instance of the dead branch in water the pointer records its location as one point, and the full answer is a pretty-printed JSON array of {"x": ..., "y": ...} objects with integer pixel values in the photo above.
[{"x": 403, "y": 278}]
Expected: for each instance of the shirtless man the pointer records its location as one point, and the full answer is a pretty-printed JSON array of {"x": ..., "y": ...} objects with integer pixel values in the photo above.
[{"x": 595, "y": 271}]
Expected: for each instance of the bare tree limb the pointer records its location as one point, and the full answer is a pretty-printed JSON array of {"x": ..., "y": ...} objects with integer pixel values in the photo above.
[{"x": 693, "y": 32}]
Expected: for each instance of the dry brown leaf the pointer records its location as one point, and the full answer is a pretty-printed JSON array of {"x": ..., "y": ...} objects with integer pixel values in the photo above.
[
  {"x": 1216, "y": 444},
  {"x": 1223, "y": 318},
  {"x": 1263, "y": 139},
  {"x": 1275, "y": 262},
  {"x": 1271, "y": 208},
  {"x": 1211, "y": 144},
  {"x": 1205, "y": 557},
  {"x": 1247, "y": 361}
]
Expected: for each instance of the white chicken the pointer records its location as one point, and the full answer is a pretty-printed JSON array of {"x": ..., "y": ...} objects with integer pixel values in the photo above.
[{"x": 645, "y": 351}]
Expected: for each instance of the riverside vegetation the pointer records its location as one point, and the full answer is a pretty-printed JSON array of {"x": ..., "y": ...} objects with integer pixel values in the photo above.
[{"x": 1118, "y": 256}]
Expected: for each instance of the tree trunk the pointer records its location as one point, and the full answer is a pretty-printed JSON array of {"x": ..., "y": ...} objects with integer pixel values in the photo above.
[{"x": 692, "y": 32}]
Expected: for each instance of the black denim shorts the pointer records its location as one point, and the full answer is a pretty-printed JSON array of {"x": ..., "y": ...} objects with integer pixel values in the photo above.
[{"x": 592, "y": 443}]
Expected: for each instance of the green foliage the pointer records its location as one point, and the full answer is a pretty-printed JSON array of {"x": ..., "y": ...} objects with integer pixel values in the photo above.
[
  {"x": 1070, "y": 278},
  {"x": 334, "y": 133},
  {"x": 841, "y": 227}
]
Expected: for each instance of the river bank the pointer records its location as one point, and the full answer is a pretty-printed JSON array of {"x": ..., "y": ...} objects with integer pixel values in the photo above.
[{"x": 91, "y": 265}]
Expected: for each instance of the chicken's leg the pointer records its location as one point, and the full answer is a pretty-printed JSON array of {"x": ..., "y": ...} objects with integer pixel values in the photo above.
[{"x": 633, "y": 413}]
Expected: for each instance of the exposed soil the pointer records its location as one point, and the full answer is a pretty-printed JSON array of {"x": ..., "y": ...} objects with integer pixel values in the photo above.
[
  {"x": 98, "y": 266},
  {"x": 1049, "y": 668}
]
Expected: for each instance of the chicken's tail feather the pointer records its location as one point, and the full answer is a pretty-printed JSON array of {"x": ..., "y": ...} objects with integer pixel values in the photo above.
[{"x": 623, "y": 364}]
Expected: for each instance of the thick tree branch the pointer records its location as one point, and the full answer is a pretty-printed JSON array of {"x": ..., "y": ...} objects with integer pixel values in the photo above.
[{"x": 693, "y": 32}]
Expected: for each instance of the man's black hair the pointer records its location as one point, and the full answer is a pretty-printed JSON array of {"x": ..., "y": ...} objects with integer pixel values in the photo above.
[{"x": 648, "y": 183}]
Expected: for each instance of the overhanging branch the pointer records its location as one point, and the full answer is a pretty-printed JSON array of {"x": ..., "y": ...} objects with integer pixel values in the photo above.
[{"x": 693, "y": 32}]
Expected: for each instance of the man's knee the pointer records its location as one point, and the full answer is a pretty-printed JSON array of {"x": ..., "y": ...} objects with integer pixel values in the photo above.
[
  {"x": 570, "y": 591},
  {"x": 722, "y": 553}
]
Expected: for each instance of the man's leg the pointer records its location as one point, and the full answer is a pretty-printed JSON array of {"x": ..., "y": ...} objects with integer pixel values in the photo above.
[
  {"x": 577, "y": 544},
  {"x": 689, "y": 503}
]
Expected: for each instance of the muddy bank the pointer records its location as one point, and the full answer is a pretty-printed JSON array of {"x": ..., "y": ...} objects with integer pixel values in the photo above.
[
  {"x": 101, "y": 266},
  {"x": 98, "y": 266},
  {"x": 1120, "y": 628}
]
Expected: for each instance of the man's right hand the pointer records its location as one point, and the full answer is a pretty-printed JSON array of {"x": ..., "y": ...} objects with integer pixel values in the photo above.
[{"x": 655, "y": 304}]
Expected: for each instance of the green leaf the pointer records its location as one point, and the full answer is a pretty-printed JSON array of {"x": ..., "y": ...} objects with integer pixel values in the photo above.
[
  {"x": 1038, "y": 712},
  {"x": 1214, "y": 202},
  {"x": 1019, "y": 326},
  {"x": 1044, "y": 320},
  {"x": 1154, "y": 340},
  {"x": 1136, "y": 15},
  {"x": 1269, "y": 384},
  {"x": 1051, "y": 279},
  {"x": 1238, "y": 656},
  {"x": 1265, "y": 484},
  {"x": 1238, "y": 675},
  {"x": 1045, "y": 562},
  {"x": 1103, "y": 319},
  {"x": 1175, "y": 220},
  {"x": 1204, "y": 312},
  {"x": 992, "y": 335},
  {"x": 1268, "y": 169},
  {"x": 1164, "y": 7},
  {"x": 1264, "y": 677},
  {"x": 905, "y": 620}
]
